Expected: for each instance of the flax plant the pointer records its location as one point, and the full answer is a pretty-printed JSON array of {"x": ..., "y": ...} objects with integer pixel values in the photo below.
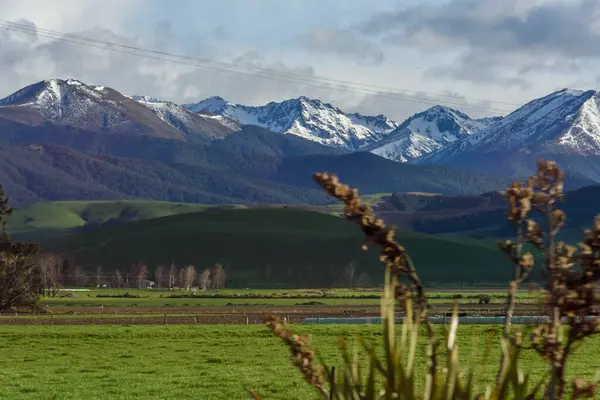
[{"x": 571, "y": 277}]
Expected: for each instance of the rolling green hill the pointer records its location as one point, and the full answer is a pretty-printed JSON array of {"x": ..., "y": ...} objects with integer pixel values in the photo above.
[
  {"x": 302, "y": 248},
  {"x": 43, "y": 221},
  {"x": 46, "y": 220}
]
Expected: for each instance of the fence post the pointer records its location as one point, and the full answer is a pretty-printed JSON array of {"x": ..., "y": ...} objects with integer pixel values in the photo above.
[
  {"x": 165, "y": 319},
  {"x": 196, "y": 320}
]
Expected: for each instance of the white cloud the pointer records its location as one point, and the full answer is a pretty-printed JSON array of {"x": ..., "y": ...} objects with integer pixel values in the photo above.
[
  {"x": 342, "y": 42},
  {"x": 505, "y": 42}
]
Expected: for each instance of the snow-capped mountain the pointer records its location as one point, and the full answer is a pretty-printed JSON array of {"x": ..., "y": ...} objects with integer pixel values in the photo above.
[
  {"x": 564, "y": 125},
  {"x": 187, "y": 121},
  {"x": 97, "y": 108},
  {"x": 428, "y": 132},
  {"x": 308, "y": 118}
]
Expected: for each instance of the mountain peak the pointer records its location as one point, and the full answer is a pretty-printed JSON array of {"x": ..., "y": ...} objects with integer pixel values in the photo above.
[
  {"x": 51, "y": 93},
  {"x": 212, "y": 105},
  {"x": 561, "y": 125},
  {"x": 571, "y": 92},
  {"x": 71, "y": 102},
  {"x": 428, "y": 132},
  {"x": 216, "y": 99},
  {"x": 309, "y": 118}
]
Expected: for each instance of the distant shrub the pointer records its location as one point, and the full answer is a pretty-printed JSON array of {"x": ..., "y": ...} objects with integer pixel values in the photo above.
[
  {"x": 311, "y": 303},
  {"x": 485, "y": 299},
  {"x": 119, "y": 296}
]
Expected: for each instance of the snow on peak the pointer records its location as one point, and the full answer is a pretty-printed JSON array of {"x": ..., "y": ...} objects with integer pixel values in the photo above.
[
  {"x": 309, "y": 118},
  {"x": 571, "y": 92},
  {"x": 52, "y": 92},
  {"x": 533, "y": 121},
  {"x": 583, "y": 134},
  {"x": 72, "y": 82},
  {"x": 72, "y": 102},
  {"x": 428, "y": 132},
  {"x": 183, "y": 119},
  {"x": 565, "y": 120},
  {"x": 146, "y": 99},
  {"x": 56, "y": 99},
  {"x": 212, "y": 105}
]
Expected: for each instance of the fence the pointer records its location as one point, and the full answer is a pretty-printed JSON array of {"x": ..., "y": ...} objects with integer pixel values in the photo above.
[
  {"x": 156, "y": 319},
  {"x": 517, "y": 320}
]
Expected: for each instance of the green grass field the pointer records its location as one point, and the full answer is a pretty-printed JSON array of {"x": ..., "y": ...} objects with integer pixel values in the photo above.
[
  {"x": 276, "y": 297},
  {"x": 195, "y": 362}
]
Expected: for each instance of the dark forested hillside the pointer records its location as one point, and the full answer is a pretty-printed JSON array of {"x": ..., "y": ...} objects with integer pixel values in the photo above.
[
  {"x": 273, "y": 246},
  {"x": 253, "y": 165}
]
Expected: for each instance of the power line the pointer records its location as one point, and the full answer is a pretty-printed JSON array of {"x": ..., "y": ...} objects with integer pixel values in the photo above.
[
  {"x": 263, "y": 73},
  {"x": 247, "y": 67},
  {"x": 88, "y": 42}
]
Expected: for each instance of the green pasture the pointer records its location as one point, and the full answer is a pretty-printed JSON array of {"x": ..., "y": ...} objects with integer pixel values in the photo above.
[
  {"x": 277, "y": 297},
  {"x": 200, "y": 362}
]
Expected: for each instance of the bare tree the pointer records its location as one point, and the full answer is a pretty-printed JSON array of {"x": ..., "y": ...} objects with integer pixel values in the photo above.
[
  {"x": 159, "y": 276},
  {"x": 49, "y": 265},
  {"x": 180, "y": 278},
  {"x": 126, "y": 280},
  {"x": 218, "y": 277},
  {"x": 99, "y": 276},
  {"x": 350, "y": 274},
  {"x": 189, "y": 277},
  {"x": 118, "y": 279},
  {"x": 204, "y": 279},
  {"x": 78, "y": 276},
  {"x": 363, "y": 280},
  {"x": 141, "y": 275},
  {"x": 172, "y": 276}
]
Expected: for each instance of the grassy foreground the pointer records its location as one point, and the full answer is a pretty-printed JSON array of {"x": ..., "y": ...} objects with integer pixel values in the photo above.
[{"x": 195, "y": 362}]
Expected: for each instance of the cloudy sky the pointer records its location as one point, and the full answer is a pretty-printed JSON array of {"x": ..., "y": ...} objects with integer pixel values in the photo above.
[{"x": 484, "y": 57}]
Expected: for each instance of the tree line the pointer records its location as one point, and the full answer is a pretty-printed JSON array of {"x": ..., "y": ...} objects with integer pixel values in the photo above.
[{"x": 57, "y": 273}]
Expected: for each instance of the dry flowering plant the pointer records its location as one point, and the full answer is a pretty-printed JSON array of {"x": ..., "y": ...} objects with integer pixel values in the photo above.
[{"x": 570, "y": 285}]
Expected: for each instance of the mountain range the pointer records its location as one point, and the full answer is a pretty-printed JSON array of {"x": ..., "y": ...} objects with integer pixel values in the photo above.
[
  {"x": 564, "y": 125},
  {"x": 67, "y": 140},
  {"x": 308, "y": 118}
]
